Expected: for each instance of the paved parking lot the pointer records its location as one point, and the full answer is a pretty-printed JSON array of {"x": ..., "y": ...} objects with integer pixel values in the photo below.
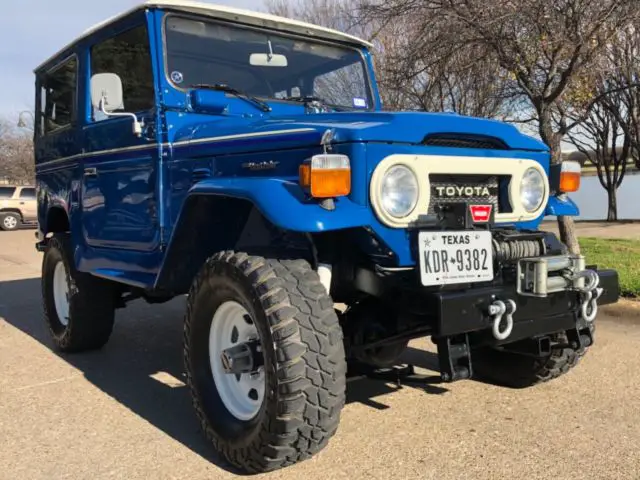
[{"x": 123, "y": 412}]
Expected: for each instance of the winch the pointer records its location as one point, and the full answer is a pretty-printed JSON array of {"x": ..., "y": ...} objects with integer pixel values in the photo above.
[{"x": 541, "y": 276}]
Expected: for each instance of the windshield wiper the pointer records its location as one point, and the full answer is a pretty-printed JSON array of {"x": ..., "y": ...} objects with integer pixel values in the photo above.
[
  {"x": 221, "y": 87},
  {"x": 309, "y": 99}
]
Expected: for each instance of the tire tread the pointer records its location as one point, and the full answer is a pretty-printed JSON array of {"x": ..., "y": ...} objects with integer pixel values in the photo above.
[
  {"x": 311, "y": 365},
  {"x": 92, "y": 305}
]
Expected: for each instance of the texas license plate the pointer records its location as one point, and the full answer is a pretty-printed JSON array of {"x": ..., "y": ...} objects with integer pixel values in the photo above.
[{"x": 455, "y": 257}]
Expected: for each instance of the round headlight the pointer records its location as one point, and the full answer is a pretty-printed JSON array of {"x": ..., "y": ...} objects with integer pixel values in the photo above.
[
  {"x": 532, "y": 190},
  {"x": 399, "y": 191}
]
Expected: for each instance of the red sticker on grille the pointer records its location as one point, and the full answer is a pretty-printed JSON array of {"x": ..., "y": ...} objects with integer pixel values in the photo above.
[{"x": 480, "y": 213}]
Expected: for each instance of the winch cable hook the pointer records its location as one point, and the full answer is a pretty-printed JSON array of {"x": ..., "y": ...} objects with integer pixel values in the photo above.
[{"x": 592, "y": 280}]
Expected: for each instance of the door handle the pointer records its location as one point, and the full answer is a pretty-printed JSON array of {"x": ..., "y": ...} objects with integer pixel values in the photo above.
[{"x": 90, "y": 172}]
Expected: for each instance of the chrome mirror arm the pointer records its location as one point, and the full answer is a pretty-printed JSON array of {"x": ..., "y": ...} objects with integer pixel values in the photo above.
[{"x": 137, "y": 124}]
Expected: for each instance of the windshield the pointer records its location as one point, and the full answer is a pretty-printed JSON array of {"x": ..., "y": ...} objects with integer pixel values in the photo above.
[{"x": 265, "y": 64}]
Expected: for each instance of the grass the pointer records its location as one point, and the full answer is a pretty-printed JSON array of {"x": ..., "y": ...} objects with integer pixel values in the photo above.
[{"x": 622, "y": 255}]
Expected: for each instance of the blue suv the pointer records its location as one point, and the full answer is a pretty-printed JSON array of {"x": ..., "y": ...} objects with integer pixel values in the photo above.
[{"x": 245, "y": 160}]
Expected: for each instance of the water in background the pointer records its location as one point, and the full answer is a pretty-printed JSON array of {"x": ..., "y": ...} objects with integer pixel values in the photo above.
[{"x": 592, "y": 199}]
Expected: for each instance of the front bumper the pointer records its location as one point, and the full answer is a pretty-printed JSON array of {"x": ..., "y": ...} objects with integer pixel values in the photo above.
[
  {"x": 468, "y": 311},
  {"x": 549, "y": 295}
]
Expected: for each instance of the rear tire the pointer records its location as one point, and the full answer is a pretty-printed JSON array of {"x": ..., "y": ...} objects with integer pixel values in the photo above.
[
  {"x": 519, "y": 371},
  {"x": 10, "y": 221},
  {"x": 303, "y": 367},
  {"x": 79, "y": 309}
]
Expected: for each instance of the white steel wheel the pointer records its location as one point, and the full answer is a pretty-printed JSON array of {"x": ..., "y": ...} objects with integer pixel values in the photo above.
[
  {"x": 61, "y": 293},
  {"x": 241, "y": 393},
  {"x": 10, "y": 222}
]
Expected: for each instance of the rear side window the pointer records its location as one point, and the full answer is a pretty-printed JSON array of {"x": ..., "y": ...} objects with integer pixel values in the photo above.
[
  {"x": 6, "y": 192},
  {"x": 58, "y": 97},
  {"x": 128, "y": 55},
  {"x": 28, "y": 193}
]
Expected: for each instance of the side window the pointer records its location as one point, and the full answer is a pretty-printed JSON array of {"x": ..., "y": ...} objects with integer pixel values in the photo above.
[
  {"x": 344, "y": 86},
  {"x": 128, "y": 55},
  {"x": 7, "y": 192},
  {"x": 58, "y": 97},
  {"x": 28, "y": 193}
]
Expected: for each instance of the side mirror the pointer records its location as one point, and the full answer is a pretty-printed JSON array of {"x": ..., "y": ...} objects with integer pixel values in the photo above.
[
  {"x": 107, "y": 96},
  {"x": 106, "y": 92}
]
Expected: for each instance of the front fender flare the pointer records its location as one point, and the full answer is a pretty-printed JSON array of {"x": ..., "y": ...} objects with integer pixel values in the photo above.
[
  {"x": 216, "y": 212},
  {"x": 284, "y": 204}
]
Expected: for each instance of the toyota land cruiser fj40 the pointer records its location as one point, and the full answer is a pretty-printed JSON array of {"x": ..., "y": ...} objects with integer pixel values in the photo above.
[{"x": 244, "y": 160}]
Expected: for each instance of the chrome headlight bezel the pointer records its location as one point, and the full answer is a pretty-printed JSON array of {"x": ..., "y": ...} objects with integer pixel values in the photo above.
[
  {"x": 406, "y": 191},
  {"x": 533, "y": 189}
]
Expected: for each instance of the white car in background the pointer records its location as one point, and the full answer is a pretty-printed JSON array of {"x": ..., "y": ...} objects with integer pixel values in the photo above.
[{"x": 18, "y": 206}]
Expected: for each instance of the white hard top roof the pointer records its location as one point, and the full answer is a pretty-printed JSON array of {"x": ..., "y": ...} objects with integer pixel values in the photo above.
[{"x": 231, "y": 14}]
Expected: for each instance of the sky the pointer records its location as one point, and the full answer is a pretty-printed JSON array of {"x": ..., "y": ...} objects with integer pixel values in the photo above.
[{"x": 33, "y": 30}]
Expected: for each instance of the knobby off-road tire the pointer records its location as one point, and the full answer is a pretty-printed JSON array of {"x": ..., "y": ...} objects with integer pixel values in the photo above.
[
  {"x": 520, "y": 371},
  {"x": 10, "y": 221},
  {"x": 91, "y": 301},
  {"x": 304, "y": 359}
]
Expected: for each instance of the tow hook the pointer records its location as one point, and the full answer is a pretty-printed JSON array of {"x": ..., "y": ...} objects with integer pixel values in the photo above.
[
  {"x": 590, "y": 292},
  {"x": 499, "y": 309}
]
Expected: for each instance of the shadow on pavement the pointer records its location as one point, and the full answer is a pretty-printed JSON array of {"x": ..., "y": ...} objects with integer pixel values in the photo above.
[{"x": 148, "y": 340}]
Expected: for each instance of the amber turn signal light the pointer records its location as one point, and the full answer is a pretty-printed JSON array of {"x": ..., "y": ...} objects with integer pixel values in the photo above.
[
  {"x": 326, "y": 176},
  {"x": 570, "y": 173}
]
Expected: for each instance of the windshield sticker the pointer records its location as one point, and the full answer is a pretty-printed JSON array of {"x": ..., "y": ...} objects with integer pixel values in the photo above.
[
  {"x": 295, "y": 92},
  {"x": 359, "y": 102},
  {"x": 177, "y": 77}
]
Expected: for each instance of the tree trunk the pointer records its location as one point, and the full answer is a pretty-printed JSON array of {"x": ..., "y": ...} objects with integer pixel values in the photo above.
[
  {"x": 566, "y": 226},
  {"x": 612, "y": 213},
  {"x": 567, "y": 230}
]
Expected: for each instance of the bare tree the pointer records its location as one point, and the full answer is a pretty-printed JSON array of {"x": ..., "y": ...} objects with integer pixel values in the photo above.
[
  {"x": 543, "y": 46},
  {"x": 411, "y": 78},
  {"x": 16, "y": 154},
  {"x": 623, "y": 57},
  {"x": 598, "y": 139}
]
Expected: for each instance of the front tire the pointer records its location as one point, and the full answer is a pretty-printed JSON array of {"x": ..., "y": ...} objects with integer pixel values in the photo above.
[
  {"x": 299, "y": 382},
  {"x": 79, "y": 308},
  {"x": 10, "y": 221},
  {"x": 519, "y": 371}
]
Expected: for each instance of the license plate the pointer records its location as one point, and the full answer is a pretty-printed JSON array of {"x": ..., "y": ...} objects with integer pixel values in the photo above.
[{"x": 455, "y": 257}]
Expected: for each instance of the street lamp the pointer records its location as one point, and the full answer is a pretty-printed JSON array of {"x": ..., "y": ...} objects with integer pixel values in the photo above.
[{"x": 21, "y": 121}]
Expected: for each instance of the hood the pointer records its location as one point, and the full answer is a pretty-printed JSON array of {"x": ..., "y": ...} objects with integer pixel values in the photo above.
[{"x": 407, "y": 128}]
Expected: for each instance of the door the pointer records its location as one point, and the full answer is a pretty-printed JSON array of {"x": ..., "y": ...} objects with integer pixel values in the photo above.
[{"x": 119, "y": 201}]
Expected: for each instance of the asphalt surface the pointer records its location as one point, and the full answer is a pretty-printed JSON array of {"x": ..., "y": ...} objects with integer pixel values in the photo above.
[{"x": 124, "y": 413}]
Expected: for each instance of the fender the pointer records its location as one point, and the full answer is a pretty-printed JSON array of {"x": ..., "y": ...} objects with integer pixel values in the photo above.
[
  {"x": 283, "y": 203},
  {"x": 216, "y": 212}
]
